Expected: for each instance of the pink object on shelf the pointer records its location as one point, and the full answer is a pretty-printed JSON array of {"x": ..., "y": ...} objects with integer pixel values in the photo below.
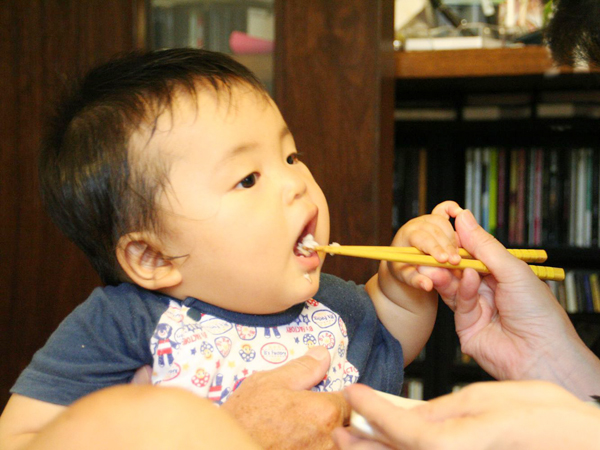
[{"x": 242, "y": 43}]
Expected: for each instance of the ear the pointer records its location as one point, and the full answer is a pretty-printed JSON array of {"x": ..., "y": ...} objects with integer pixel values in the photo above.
[{"x": 144, "y": 264}]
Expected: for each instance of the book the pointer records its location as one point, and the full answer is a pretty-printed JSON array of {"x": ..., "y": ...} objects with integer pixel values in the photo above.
[
  {"x": 545, "y": 207},
  {"x": 580, "y": 291},
  {"x": 580, "y": 233},
  {"x": 570, "y": 293},
  {"x": 562, "y": 295},
  {"x": 512, "y": 197},
  {"x": 521, "y": 192},
  {"x": 595, "y": 288},
  {"x": 587, "y": 292},
  {"x": 564, "y": 202},
  {"x": 589, "y": 155},
  {"x": 477, "y": 185},
  {"x": 537, "y": 206},
  {"x": 493, "y": 192},
  {"x": 595, "y": 198},
  {"x": 485, "y": 193},
  {"x": 502, "y": 208},
  {"x": 555, "y": 206},
  {"x": 530, "y": 199},
  {"x": 572, "y": 197},
  {"x": 469, "y": 161}
]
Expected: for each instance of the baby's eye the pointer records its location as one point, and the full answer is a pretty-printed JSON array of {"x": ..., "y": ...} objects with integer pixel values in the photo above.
[
  {"x": 293, "y": 158},
  {"x": 249, "y": 181}
]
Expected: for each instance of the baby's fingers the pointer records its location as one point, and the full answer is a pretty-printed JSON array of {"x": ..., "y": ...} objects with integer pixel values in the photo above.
[
  {"x": 409, "y": 275},
  {"x": 447, "y": 209},
  {"x": 433, "y": 240}
]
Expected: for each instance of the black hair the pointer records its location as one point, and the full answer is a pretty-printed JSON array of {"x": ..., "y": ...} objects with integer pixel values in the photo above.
[
  {"x": 573, "y": 33},
  {"x": 92, "y": 185}
]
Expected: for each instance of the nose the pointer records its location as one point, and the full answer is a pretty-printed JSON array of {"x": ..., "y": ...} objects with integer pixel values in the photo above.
[{"x": 294, "y": 186}]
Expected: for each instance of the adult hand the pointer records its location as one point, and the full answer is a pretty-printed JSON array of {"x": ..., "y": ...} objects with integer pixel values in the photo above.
[
  {"x": 511, "y": 323},
  {"x": 499, "y": 415},
  {"x": 278, "y": 409}
]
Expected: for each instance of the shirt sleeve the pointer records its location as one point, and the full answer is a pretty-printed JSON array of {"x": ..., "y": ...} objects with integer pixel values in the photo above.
[
  {"x": 100, "y": 344},
  {"x": 372, "y": 349}
]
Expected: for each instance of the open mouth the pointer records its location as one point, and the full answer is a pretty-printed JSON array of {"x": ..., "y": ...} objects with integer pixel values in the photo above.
[{"x": 305, "y": 245}]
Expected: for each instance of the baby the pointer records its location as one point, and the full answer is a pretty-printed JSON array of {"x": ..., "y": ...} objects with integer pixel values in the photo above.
[{"x": 176, "y": 174}]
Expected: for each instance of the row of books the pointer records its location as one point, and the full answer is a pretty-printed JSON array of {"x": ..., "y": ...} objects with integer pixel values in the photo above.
[
  {"x": 580, "y": 292},
  {"x": 535, "y": 196}
]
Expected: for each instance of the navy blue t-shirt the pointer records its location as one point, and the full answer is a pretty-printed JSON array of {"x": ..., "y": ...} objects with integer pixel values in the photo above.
[{"x": 119, "y": 329}]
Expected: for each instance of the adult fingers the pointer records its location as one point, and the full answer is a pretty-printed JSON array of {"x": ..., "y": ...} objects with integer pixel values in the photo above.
[
  {"x": 301, "y": 373},
  {"x": 345, "y": 440},
  {"x": 483, "y": 246},
  {"x": 388, "y": 421}
]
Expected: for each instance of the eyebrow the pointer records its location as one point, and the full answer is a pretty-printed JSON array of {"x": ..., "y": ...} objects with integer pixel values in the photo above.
[{"x": 285, "y": 132}]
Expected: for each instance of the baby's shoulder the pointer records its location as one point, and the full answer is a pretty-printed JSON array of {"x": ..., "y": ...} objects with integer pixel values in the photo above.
[{"x": 124, "y": 301}]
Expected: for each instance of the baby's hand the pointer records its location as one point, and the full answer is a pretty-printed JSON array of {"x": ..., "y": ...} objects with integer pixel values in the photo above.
[{"x": 432, "y": 234}]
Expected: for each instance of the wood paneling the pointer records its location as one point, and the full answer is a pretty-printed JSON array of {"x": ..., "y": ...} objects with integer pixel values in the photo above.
[
  {"x": 334, "y": 72},
  {"x": 43, "y": 275}
]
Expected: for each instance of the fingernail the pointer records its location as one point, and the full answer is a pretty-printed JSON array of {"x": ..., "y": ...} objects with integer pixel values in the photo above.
[
  {"x": 319, "y": 353},
  {"x": 469, "y": 220}
]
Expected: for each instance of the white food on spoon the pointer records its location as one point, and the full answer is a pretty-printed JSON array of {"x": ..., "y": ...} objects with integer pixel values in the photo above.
[
  {"x": 334, "y": 244},
  {"x": 307, "y": 246}
]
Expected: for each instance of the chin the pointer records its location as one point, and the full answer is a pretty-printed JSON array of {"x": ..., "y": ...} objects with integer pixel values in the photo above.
[{"x": 313, "y": 284}]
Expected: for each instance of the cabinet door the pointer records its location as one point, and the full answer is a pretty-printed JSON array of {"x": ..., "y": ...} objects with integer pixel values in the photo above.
[{"x": 243, "y": 28}]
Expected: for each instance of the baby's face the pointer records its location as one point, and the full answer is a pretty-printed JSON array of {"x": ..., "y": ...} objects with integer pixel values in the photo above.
[{"x": 238, "y": 202}]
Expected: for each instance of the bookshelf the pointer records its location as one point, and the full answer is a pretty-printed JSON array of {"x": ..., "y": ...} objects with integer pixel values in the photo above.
[
  {"x": 473, "y": 63},
  {"x": 338, "y": 82},
  {"x": 451, "y": 105}
]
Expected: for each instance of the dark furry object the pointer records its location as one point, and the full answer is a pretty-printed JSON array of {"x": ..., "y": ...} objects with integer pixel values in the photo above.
[{"x": 573, "y": 34}]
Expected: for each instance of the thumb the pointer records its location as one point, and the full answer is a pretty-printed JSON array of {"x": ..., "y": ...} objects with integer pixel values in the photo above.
[
  {"x": 304, "y": 372},
  {"x": 483, "y": 246}
]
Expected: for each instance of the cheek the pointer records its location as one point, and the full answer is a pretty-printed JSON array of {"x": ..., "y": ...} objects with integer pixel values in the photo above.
[{"x": 319, "y": 198}]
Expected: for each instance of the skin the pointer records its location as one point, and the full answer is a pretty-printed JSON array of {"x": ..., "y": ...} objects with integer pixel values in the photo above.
[
  {"x": 513, "y": 326},
  {"x": 507, "y": 415}
]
